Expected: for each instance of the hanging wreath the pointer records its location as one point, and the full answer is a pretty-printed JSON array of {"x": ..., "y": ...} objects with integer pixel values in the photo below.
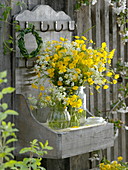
[{"x": 21, "y": 42}]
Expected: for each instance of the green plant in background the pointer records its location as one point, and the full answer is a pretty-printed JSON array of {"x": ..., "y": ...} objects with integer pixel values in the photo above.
[
  {"x": 37, "y": 149},
  {"x": 8, "y": 136},
  {"x": 5, "y": 7},
  {"x": 122, "y": 70}
]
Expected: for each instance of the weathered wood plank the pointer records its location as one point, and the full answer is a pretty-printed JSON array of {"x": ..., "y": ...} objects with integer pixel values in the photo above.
[
  {"x": 116, "y": 150},
  {"x": 113, "y": 44},
  {"x": 58, "y": 6},
  {"x": 79, "y": 162},
  {"x": 106, "y": 16},
  {"x": 98, "y": 44},
  {"x": 123, "y": 137}
]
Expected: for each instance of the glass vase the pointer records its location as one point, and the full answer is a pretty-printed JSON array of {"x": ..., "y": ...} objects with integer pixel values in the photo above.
[
  {"x": 78, "y": 119},
  {"x": 59, "y": 118},
  {"x": 82, "y": 95}
]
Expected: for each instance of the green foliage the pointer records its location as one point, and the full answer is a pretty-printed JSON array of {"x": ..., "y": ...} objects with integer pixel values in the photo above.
[
  {"x": 37, "y": 148},
  {"x": 6, "y": 10},
  {"x": 5, "y": 7},
  {"x": 21, "y": 42},
  {"x": 7, "y": 130}
]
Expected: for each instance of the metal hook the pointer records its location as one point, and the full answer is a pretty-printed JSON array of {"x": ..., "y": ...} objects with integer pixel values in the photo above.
[
  {"x": 42, "y": 26},
  {"x": 55, "y": 27},
  {"x": 70, "y": 23},
  {"x": 26, "y": 24}
]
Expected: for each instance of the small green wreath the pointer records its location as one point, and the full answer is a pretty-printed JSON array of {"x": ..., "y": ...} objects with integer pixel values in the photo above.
[{"x": 21, "y": 42}]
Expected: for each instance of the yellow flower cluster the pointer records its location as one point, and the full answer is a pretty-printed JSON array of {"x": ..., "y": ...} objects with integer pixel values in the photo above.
[
  {"x": 74, "y": 101},
  {"x": 74, "y": 64},
  {"x": 114, "y": 165}
]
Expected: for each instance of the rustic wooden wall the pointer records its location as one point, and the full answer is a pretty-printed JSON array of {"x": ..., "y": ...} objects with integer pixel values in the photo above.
[{"x": 105, "y": 28}]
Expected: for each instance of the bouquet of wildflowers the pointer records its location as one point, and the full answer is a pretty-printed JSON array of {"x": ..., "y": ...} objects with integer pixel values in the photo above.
[
  {"x": 73, "y": 64},
  {"x": 69, "y": 65}
]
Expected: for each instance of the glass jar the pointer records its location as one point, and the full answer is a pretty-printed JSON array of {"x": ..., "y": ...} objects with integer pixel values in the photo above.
[
  {"x": 59, "y": 118},
  {"x": 78, "y": 119}
]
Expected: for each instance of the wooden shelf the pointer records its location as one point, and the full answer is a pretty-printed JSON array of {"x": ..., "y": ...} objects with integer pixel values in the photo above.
[{"x": 66, "y": 143}]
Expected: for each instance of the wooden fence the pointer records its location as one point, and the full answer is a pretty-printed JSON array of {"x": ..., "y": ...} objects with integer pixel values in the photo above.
[{"x": 99, "y": 24}]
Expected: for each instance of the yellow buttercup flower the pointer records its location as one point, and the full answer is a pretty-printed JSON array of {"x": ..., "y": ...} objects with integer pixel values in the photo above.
[
  {"x": 75, "y": 87},
  {"x": 31, "y": 107},
  {"x": 114, "y": 81},
  {"x": 53, "y": 64},
  {"x": 120, "y": 158},
  {"x": 48, "y": 98},
  {"x": 72, "y": 65},
  {"x": 75, "y": 52},
  {"x": 50, "y": 70},
  {"x": 83, "y": 47},
  {"x": 91, "y": 41},
  {"x": 105, "y": 87},
  {"x": 59, "y": 83},
  {"x": 97, "y": 87},
  {"x": 47, "y": 58},
  {"x": 80, "y": 110},
  {"x": 109, "y": 74},
  {"x": 62, "y": 69},
  {"x": 109, "y": 61},
  {"x": 62, "y": 39},
  {"x": 79, "y": 103},
  {"x": 34, "y": 86},
  {"x": 104, "y": 45},
  {"x": 77, "y": 37},
  {"x": 42, "y": 88},
  {"x": 84, "y": 38},
  {"x": 78, "y": 70},
  {"x": 38, "y": 74},
  {"x": 40, "y": 94},
  {"x": 116, "y": 76}
]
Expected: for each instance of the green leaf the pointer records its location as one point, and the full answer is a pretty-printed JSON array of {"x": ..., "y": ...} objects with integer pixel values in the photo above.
[
  {"x": 11, "y": 140},
  {"x": 4, "y": 106},
  {"x": 24, "y": 150},
  {"x": 1, "y": 81},
  {"x": 49, "y": 147},
  {"x": 46, "y": 143},
  {"x": 2, "y": 116},
  {"x": 8, "y": 150},
  {"x": 8, "y": 90},
  {"x": 41, "y": 145},
  {"x": 11, "y": 112},
  {"x": 1, "y": 95},
  {"x": 21, "y": 165},
  {"x": 34, "y": 142},
  {"x": 9, "y": 164},
  {"x": 3, "y": 74}
]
